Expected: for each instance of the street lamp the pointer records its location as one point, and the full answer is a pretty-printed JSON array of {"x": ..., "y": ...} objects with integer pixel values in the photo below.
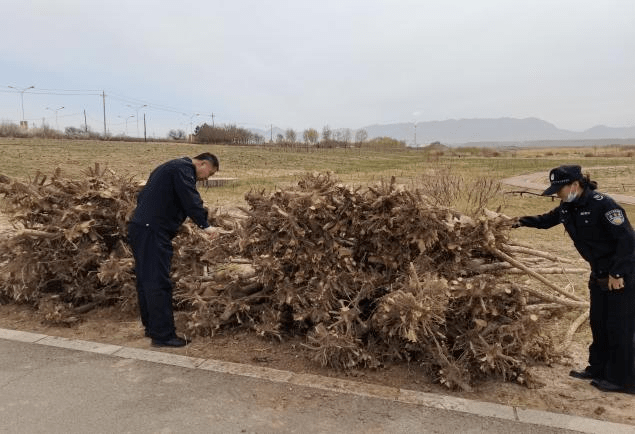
[
  {"x": 55, "y": 110},
  {"x": 137, "y": 109},
  {"x": 126, "y": 119},
  {"x": 22, "y": 98},
  {"x": 192, "y": 125}
]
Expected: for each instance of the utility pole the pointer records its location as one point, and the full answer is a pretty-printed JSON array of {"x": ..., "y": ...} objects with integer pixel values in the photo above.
[
  {"x": 103, "y": 94},
  {"x": 85, "y": 122},
  {"x": 145, "y": 137},
  {"x": 212, "y": 120},
  {"x": 271, "y": 138}
]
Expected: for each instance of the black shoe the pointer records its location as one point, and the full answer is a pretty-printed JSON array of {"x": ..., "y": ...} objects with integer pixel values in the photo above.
[
  {"x": 172, "y": 342},
  {"x": 584, "y": 375},
  {"x": 607, "y": 386}
]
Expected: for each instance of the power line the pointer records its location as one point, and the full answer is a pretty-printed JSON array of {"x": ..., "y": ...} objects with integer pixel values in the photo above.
[
  {"x": 114, "y": 96},
  {"x": 65, "y": 94},
  {"x": 70, "y": 115},
  {"x": 37, "y": 91},
  {"x": 141, "y": 102},
  {"x": 154, "y": 106},
  {"x": 68, "y": 90}
]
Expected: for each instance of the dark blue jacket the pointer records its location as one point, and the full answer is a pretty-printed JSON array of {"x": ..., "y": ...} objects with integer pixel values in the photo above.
[
  {"x": 599, "y": 228},
  {"x": 169, "y": 196}
]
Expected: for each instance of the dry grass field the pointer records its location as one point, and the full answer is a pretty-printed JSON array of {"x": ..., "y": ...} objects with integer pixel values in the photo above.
[{"x": 266, "y": 168}]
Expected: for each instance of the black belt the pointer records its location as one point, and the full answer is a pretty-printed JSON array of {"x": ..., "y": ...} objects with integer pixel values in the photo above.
[{"x": 602, "y": 281}]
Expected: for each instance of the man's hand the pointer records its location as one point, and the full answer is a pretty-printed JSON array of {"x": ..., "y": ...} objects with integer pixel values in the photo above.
[
  {"x": 214, "y": 231},
  {"x": 615, "y": 283},
  {"x": 211, "y": 232}
]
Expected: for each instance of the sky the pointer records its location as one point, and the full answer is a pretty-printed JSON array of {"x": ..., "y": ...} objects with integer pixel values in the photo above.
[{"x": 308, "y": 64}]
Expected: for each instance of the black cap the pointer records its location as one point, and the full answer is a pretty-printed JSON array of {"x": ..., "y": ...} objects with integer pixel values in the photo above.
[{"x": 561, "y": 176}]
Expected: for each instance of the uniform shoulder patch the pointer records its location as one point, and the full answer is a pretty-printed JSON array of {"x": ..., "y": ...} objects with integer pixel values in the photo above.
[
  {"x": 598, "y": 196},
  {"x": 615, "y": 216}
]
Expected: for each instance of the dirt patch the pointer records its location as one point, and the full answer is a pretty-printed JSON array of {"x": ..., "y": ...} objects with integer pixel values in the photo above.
[
  {"x": 616, "y": 182},
  {"x": 560, "y": 392}
]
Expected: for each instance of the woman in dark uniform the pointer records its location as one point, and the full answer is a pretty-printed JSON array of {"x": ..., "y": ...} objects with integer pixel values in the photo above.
[{"x": 602, "y": 234}]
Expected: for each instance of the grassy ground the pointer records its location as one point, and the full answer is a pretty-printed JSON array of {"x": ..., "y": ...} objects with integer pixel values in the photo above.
[{"x": 259, "y": 168}]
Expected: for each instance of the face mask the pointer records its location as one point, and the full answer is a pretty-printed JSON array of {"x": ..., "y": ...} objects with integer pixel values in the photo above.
[{"x": 571, "y": 196}]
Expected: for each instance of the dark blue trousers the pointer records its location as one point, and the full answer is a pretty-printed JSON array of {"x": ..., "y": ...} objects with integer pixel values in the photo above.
[
  {"x": 612, "y": 320},
  {"x": 152, "y": 250}
]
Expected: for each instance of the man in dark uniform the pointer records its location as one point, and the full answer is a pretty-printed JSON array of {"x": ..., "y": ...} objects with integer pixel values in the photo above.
[
  {"x": 602, "y": 234},
  {"x": 168, "y": 198}
]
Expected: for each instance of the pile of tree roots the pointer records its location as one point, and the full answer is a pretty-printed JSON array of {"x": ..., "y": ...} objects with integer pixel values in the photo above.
[{"x": 365, "y": 274}]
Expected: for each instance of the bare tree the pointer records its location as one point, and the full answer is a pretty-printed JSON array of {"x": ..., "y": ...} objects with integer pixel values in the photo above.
[
  {"x": 326, "y": 135},
  {"x": 310, "y": 136},
  {"x": 177, "y": 134},
  {"x": 361, "y": 136},
  {"x": 347, "y": 134},
  {"x": 291, "y": 136},
  {"x": 222, "y": 134}
]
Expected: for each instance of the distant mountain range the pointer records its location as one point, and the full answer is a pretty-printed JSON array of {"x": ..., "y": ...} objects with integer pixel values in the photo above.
[
  {"x": 507, "y": 131},
  {"x": 510, "y": 130}
]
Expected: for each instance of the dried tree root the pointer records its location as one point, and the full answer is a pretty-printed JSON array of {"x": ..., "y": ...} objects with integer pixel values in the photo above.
[
  {"x": 509, "y": 268},
  {"x": 362, "y": 273},
  {"x": 532, "y": 273},
  {"x": 543, "y": 306},
  {"x": 551, "y": 270},
  {"x": 530, "y": 251},
  {"x": 37, "y": 234},
  {"x": 574, "y": 326},
  {"x": 555, "y": 299}
]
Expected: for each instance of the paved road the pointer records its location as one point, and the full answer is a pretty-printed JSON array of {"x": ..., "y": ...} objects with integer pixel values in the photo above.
[{"x": 56, "y": 385}]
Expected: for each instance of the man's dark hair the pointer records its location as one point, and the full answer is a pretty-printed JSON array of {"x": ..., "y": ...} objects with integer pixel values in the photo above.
[{"x": 209, "y": 157}]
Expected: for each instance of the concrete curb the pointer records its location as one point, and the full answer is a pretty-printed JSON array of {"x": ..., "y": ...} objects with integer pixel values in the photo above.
[{"x": 478, "y": 408}]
